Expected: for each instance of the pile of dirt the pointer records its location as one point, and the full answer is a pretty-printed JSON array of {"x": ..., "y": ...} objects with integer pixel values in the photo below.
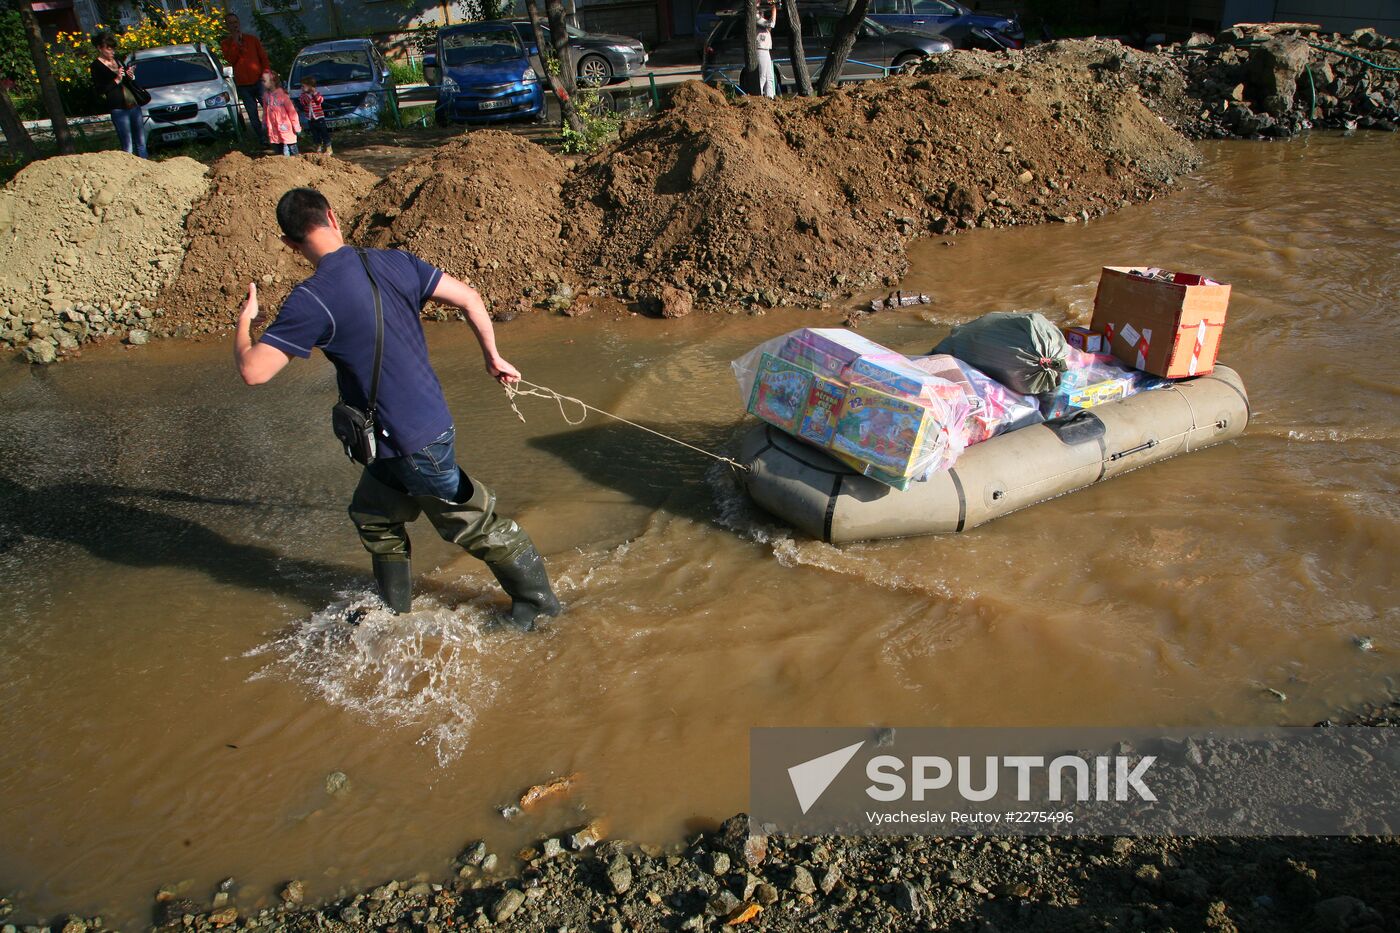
[
  {"x": 789, "y": 201},
  {"x": 233, "y": 237},
  {"x": 86, "y": 242},
  {"x": 484, "y": 208}
]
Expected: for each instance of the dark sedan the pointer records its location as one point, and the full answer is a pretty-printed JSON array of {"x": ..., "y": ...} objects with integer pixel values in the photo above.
[
  {"x": 599, "y": 59},
  {"x": 876, "y": 48}
]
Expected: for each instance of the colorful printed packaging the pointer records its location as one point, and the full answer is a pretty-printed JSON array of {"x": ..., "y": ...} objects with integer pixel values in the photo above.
[
  {"x": 822, "y": 410},
  {"x": 780, "y": 392},
  {"x": 880, "y": 429},
  {"x": 826, "y": 350},
  {"x": 1085, "y": 340},
  {"x": 885, "y": 418},
  {"x": 888, "y": 372}
]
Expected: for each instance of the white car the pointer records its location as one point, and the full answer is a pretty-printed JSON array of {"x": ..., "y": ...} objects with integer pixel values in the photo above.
[{"x": 191, "y": 96}]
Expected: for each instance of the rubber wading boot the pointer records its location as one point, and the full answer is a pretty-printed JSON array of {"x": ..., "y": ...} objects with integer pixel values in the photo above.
[
  {"x": 395, "y": 579},
  {"x": 380, "y": 513},
  {"x": 471, "y": 523},
  {"x": 525, "y": 580}
]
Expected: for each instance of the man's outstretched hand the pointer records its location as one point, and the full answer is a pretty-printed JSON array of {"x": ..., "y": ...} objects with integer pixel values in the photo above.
[
  {"x": 250, "y": 307},
  {"x": 502, "y": 372}
]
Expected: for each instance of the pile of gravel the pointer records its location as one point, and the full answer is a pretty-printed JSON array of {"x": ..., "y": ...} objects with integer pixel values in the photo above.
[{"x": 86, "y": 243}]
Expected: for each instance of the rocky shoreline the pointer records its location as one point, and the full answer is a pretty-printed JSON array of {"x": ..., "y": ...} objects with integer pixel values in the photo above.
[{"x": 726, "y": 877}]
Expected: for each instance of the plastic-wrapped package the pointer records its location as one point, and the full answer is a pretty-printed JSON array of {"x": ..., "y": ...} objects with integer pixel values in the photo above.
[
  {"x": 865, "y": 404},
  {"x": 995, "y": 409},
  {"x": 1092, "y": 379}
]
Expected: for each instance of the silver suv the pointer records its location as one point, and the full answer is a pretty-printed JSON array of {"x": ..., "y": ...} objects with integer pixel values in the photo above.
[{"x": 192, "y": 97}]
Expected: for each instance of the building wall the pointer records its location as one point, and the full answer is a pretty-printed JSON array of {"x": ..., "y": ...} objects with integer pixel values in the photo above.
[{"x": 1331, "y": 15}]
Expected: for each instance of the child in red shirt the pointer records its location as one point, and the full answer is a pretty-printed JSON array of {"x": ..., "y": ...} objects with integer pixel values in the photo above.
[{"x": 313, "y": 105}]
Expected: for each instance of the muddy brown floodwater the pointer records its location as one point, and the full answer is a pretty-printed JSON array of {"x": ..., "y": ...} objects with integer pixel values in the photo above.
[{"x": 177, "y": 691}]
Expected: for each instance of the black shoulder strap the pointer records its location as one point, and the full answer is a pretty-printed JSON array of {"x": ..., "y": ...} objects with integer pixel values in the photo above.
[{"x": 378, "y": 334}]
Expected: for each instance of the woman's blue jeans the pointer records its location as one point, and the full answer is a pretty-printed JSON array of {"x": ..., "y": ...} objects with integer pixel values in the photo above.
[
  {"x": 131, "y": 130},
  {"x": 431, "y": 471}
]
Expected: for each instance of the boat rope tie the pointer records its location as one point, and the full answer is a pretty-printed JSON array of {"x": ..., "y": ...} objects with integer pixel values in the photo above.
[{"x": 538, "y": 391}]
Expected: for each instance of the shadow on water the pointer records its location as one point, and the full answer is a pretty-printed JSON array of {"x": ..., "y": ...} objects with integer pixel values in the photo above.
[
  {"x": 102, "y": 520},
  {"x": 649, "y": 470}
]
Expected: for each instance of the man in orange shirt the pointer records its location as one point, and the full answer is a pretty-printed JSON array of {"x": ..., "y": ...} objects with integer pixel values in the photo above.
[{"x": 246, "y": 55}]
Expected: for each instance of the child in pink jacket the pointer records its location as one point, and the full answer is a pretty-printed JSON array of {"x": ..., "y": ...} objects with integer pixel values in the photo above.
[{"x": 279, "y": 115}]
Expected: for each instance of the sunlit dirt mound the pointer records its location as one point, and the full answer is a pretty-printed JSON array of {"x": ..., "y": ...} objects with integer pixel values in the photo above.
[
  {"x": 484, "y": 208},
  {"x": 799, "y": 198},
  {"x": 234, "y": 239}
]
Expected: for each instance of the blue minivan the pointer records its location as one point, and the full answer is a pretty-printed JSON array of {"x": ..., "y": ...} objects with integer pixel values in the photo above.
[
  {"x": 354, "y": 78},
  {"x": 483, "y": 75}
]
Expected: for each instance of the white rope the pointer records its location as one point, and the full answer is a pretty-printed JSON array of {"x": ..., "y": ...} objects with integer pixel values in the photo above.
[{"x": 539, "y": 391}]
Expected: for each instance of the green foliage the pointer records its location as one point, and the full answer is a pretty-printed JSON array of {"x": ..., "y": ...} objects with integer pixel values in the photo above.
[
  {"x": 475, "y": 10},
  {"x": 406, "y": 72},
  {"x": 282, "y": 46},
  {"x": 600, "y": 124},
  {"x": 15, "y": 62}
]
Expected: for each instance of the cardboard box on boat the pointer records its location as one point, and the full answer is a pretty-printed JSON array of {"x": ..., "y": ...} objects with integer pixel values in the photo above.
[
  {"x": 1167, "y": 324},
  {"x": 1085, "y": 340}
]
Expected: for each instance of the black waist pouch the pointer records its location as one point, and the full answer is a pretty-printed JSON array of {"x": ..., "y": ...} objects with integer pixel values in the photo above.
[{"x": 354, "y": 427}]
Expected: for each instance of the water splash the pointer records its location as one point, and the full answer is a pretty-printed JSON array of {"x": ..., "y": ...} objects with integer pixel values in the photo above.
[{"x": 430, "y": 669}]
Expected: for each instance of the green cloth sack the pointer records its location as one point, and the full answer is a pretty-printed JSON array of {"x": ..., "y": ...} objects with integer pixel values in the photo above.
[{"x": 1024, "y": 352}]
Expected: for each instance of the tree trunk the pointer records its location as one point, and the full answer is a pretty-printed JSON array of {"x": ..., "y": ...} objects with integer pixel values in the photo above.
[
  {"x": 563, "y": 93},
  {"x": 15, "y": 133},
  {"x": 748, "y": 78},
  {"x": 842, "y": 43},
  {"x": 796, "y": 51},
  {"x": 48, "y": 89}
]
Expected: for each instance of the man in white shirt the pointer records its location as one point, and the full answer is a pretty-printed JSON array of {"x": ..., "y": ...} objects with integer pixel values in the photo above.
[{"x": 766, "y": 20}]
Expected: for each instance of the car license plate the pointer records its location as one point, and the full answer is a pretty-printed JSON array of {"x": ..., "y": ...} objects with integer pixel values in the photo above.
[
  {"x": 181, "y": 134},
  {"x": 493, "y": 104}
]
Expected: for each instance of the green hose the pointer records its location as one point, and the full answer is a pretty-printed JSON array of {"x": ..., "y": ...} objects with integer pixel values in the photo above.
[{"x": 1328, "y": 48}]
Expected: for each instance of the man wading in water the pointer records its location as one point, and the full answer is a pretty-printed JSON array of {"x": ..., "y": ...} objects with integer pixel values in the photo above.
[{"x": 415, "y": 470}]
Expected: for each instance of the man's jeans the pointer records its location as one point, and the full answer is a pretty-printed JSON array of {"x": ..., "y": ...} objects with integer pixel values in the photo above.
[
  {"x": 131, "y": 130},
  {"x": 395, "y": 491},
  {"x": 250, "y": 95},
  {"x": 431, "y": 471}
]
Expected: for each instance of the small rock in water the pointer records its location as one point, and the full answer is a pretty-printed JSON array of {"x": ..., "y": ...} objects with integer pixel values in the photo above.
[
  {"x": 138, "y": 337},
  {"x": 337, "y": 783},
  {"x": 1364, "y": 643},
  {"x": 551, "y": 848},
  {"x": 351, "y": 915},
  {"x": 294, "y": 892},
  {"x": 488, "y": 864},
  {"x": 474, "y": 854},
  {"x": 224, "y": 916}
]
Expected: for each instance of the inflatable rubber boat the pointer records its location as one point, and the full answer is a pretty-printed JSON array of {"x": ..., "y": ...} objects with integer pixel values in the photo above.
[{"x": 826, "y": 499}]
